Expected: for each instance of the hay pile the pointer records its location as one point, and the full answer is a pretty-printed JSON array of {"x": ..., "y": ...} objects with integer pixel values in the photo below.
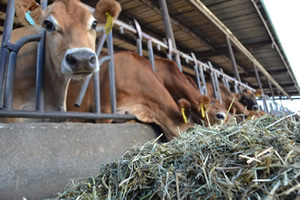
[{"x": 256, "y": 159}]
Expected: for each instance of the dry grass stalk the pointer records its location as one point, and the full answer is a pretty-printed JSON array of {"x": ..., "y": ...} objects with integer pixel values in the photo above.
[{"x": 248, "y": 160}]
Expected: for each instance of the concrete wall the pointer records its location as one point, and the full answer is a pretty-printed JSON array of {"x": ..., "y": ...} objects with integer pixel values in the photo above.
[{"x": 38, "y": 160}]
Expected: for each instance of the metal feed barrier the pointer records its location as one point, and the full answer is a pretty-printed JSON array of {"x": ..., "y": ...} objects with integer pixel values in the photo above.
[{"x": 8, "y": 67}]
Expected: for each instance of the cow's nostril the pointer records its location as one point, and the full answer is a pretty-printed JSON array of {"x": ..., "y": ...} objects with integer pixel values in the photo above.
[
  {"x": 71, "y": 60},
  {"x": 220, "y": 116},
  {"x": 93, "y": 60}
]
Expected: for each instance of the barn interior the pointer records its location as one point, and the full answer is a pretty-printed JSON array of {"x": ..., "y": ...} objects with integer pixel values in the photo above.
[
  {"x": 207, "y": 28},
  {"x": 210, "y": 29}
]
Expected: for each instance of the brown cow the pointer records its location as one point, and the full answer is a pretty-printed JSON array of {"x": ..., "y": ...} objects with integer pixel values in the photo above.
[
  {"x": 228, "y": 98},
  {"x": 69, "y": 50},
  {"x": 139, "y": 92},
  {"x": 176, "y": 83}
]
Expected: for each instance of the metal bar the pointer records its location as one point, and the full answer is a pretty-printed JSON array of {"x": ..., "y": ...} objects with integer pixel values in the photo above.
[
  {"x": 139, "y": 39},
  {"x": 101, "y": 42},
  {"x": 39, "y": 93},
  {"x": 197, "y": 73},
  {"x": 97, "y": 99},
  {"x": 218, "y": 88},
  {"x": 201, "y": 7},
  {"x": 82, "y": 91},
  {"x": 178, "y": 62},
  {"x": 270, "y": 103},
  {"x": 139, "y": 46},
  {"x": 3, "y": 59},
  {"x": 63, "y": 115},
  {"x": 260, "y": 87},
  {"x": 213, "y": 80},
  {"x": 167, "y": 22},
  {"x": 236, "y": 72},
  {"x": 10, "y": 83},
  {"x": 97, "y": 93},
  {"x": 272, "y": 92},
  {"x": 112, "y": 83},
  {"x": 236, "y": 88},
  {"x": 165, "y": 46},
  {"x": 203, "y": 79},
  {"x": 8, "y": 25},
  {"x": 44, "y": 4},
  {"x": 151, "y": 54}
]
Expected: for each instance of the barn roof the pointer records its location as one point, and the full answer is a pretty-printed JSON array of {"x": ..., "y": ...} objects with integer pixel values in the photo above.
[{"x": 202, "y": 26}]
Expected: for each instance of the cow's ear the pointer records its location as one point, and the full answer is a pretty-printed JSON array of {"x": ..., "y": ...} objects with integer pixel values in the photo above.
[
  {"x": 29, "y": 12},
  {"x": 184, "y": 107},
  {"x": 203, "y": 102},
  {"x": 237, "y": 96},
  {"x": 105, "y": 7},
  {"x": 258, "y": 93}
]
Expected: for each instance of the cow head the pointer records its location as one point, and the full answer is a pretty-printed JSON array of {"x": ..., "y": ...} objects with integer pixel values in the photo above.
[
  {"x": 248, "y": 98},
  {"x": 211, "y": 110},
  {"x": 70, "y": 33}
]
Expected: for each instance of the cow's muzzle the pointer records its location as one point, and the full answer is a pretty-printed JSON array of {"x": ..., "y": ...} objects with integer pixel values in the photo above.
[{"x": 79, "y": 63}]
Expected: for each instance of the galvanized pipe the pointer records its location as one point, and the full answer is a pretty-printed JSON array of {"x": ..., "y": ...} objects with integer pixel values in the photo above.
[
  {"x": 167, "y": 22},
  {"x": 97, "y": 99},
  {"x": 8, "y": 25},
  {"x": 44, "y": 4},
  {"x": 174, "y": 51},
  {"x": 178, "y": 62},
  {"x": 112, "y": 83},
  {"x": 151, "y": 54},
  {"x": 64, "y": 115},
  {"x": 39, "y": 92},
  {"x": 10, "y": 82},
  {"x": 96, "y": 81},
  {"x": 260, "y": 87},
  {"x": 197, "y": 73},
  {"x": 203, "y": 79},
  {"x": 234, "y": 66},
  {"x": 272, "y": 92},
  {"x": 139, "y": 38}
]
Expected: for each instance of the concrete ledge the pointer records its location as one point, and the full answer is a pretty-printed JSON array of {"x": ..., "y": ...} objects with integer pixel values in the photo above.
[{"x": 39, "y": 159}]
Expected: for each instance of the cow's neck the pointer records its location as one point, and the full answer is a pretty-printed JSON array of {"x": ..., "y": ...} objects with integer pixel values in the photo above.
[{"x": 55, "y": 88}]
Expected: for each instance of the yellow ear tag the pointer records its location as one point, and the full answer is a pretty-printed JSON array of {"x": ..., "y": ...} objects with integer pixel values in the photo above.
[
  {"x": 183, "y": 115},
  {"x": 258, "y": 95},
  {"x": 109, "y": 23},
  {"x": 202, "y": 110}
]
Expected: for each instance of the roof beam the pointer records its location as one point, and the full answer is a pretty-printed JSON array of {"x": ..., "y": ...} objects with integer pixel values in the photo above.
[{"x": 203, "y": 9}]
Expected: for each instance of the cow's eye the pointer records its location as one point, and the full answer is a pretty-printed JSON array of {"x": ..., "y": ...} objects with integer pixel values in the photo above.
[
  {"x": 48, "y": 25},
  {"x": 94, "y": 24}
]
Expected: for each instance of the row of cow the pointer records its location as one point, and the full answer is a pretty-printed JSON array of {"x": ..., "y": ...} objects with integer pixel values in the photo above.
[{"x": 166, "y": 97}]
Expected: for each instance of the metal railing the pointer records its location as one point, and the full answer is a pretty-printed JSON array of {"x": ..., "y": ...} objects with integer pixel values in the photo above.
[{"x": 8, "y": 63}]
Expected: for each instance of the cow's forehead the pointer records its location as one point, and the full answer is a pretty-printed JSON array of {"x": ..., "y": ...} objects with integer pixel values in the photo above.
[{"x": 69, "y": 12}]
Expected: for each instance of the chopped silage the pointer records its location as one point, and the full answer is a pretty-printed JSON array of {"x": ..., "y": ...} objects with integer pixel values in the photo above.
[{"x": 256, "y": 159}]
